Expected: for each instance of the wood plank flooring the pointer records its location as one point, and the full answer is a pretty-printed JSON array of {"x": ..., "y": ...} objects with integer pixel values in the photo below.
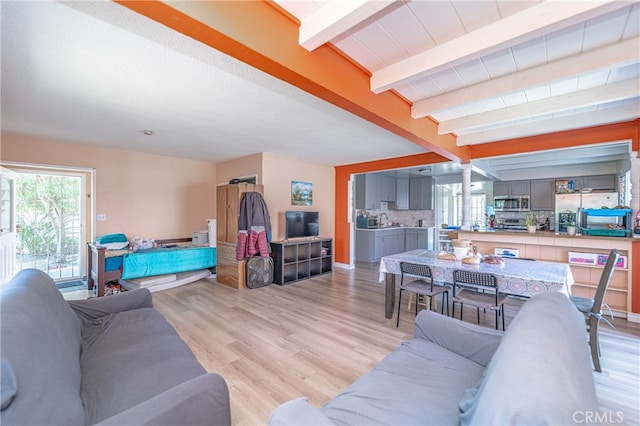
[{"x": 315, "y": 337}]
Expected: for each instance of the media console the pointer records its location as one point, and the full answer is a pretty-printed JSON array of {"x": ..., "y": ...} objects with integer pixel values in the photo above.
[{"x": 295, "y": 260}]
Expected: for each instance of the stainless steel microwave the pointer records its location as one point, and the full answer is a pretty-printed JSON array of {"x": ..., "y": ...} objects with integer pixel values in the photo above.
[{"x": 511, "y": 203}]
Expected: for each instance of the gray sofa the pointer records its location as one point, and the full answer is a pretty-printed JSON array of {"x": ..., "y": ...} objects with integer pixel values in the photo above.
[
  {"x": 113, "y": 360},
  {"x": 452, "y": 372}
]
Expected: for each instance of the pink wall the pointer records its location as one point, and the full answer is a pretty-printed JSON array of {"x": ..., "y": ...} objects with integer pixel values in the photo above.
[
  {"x": 141, "y": 194},
  {"x": 276, "y": 173}
]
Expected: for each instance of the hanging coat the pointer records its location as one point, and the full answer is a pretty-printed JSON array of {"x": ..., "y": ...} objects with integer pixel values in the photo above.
[{"x": 254, "y": 227}]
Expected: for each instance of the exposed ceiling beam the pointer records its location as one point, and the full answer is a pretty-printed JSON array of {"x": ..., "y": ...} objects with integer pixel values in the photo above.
[
  {"x": 617, "y": 55},
  {"x": 335, "y": 18},
  {"x": 612, "y": 92},
  {"x": 604, "y": 116},
  {"x": 522, "y": 26}
]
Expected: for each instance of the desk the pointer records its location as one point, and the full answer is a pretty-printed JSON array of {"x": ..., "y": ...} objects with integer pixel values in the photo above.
[{"x": 516, "y": 276}]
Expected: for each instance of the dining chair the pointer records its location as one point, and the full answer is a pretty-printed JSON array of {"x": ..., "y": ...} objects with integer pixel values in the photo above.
[
  {"x": 422, "y": 286},
  {"x": 592, "y": 308},
  {"x": 478, "y": 289}
]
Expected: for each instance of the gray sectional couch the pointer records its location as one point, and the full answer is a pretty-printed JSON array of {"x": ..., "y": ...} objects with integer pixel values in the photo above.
[
  {"x": 113, "y": 360},
  {"x": 452, "y": 372}
]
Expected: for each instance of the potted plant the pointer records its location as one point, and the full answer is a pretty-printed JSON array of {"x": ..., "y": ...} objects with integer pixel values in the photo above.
[
  {"x": 531, "y": 221},
  {"x": 571, "y": 228}
]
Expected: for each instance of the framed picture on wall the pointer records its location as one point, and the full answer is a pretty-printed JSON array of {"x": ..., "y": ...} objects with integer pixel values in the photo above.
[{"x": 301, "y": 193}]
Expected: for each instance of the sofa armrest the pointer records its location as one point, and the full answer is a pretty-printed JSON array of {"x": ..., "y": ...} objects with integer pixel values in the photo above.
[
  {"x": 468, "y": 340},
  {"x": 203, "y": 400},
  {"x": 298, "y": 412},
  {"x": 101, "y": 306}
]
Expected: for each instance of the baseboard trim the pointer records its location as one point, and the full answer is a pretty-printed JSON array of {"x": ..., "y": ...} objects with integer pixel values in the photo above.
[
  {"x": 631, "y": 317},
  {"x": 343, "y": 266}
]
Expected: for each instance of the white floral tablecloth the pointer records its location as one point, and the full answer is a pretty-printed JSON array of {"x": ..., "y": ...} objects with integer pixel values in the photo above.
[{"x": 516, "y": 276}]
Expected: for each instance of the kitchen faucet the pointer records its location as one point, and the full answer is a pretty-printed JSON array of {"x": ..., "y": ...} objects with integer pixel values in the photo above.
[{"x": 387, "y": 218}]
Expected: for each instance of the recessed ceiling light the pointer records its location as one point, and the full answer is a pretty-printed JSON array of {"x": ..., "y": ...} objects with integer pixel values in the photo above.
[{"x": 147, "y": 132}]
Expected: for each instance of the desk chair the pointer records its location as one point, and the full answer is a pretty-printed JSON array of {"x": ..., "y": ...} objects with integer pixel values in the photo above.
[
  {"x": 592, "y": 308},
  {"x": 422, "y": 286},
  {"x": 472, "y": 286}
]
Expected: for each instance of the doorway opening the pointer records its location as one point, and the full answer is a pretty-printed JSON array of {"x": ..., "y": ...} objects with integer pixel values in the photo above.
[{"x": 51, "y": 222}]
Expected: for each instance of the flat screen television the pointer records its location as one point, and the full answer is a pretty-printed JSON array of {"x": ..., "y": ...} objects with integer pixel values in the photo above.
[{"x": 301, "y": 224}]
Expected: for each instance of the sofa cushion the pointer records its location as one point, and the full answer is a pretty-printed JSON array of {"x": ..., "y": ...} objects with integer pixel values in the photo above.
[
  {"x": 41, "y": 342},
  {"x": 419, "y": 383},
  {"x": 130, "y": 357},
  {"x": 541, "y": 373},
  {"x": 8, "y": 384}
]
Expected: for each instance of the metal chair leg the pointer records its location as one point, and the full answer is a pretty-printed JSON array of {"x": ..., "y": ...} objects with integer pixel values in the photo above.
[
  {"x": 594, "y": 343},
  {"x": 399, "y": 303}
]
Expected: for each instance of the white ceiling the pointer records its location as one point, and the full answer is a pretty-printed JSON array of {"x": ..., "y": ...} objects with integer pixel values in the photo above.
[{"x": 96, "y": 72}]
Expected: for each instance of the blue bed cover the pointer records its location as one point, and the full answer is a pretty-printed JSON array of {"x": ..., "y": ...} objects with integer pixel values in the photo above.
[{"x": 161, "y": 261}]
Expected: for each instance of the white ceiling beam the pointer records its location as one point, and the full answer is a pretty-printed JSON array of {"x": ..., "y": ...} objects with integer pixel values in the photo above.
[
  {"x": 610, "y": 93},
  {"x": 589, "y": 119},
  {"x": 334, "y": 18},
  {"x": 617, "y": 55},
  {"x": 522, "y": 26}
]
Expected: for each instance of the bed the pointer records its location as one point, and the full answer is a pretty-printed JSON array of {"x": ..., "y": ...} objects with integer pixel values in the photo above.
[{"x": 170, "y": 257}]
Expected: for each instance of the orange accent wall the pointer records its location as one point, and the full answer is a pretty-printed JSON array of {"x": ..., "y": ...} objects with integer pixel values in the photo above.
[{"x": 343, "y": 174}]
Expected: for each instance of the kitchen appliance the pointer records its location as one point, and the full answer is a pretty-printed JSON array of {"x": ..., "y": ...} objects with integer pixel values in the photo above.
[
  {"x": 598, "y": 200},
  {"x": 567, "y": 206},
  {"x": 513, "y": 225},
  {"x": 511, "y": 203},
  {"x": 367, "y": 222}
]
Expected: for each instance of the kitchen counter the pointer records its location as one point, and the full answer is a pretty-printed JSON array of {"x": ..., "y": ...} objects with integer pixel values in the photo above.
[
  {"x": 541, "y": 234},
  {"x": 546, "y": 245},
  {"x": 386, "y": 228}
]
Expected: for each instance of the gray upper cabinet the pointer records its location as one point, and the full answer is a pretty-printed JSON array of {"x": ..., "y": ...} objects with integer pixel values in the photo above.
[
  {"x": 387, "y": 188},
  {"x": 601, "y": 182},
  {"x": 542, "y": 194},
  {"x": 402, "y": 194},
  {"x": 368, "y": 191},
  {"x": 514, "y": 187},
  {"x": 421, "y": 193}
]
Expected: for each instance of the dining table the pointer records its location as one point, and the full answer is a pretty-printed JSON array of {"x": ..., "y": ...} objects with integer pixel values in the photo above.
[{"x": 516, "y": 276}]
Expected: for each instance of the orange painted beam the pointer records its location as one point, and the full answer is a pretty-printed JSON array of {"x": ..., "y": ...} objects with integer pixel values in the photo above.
[
  {"x": 257, "y": 33},
  {"x": 628, "y": 130}
]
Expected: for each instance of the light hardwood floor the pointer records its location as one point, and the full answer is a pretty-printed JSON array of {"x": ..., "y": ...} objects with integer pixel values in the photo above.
[{"x": 315, "y": 337}]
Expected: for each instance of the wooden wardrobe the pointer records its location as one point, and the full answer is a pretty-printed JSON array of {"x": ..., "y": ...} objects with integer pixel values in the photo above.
[{"x": 228, "y": 197}]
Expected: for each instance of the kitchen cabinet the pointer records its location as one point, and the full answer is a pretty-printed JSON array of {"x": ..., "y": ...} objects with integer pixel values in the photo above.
[
  {"x": 402, "y": 194},
  {"x": 543, "y": 194},
  {"x": 368, "y": 191},
  {"x": 416, "y": 239},
  {"x": 388, "y": 241},
  {"x": 421, "y": 193},
  {"x": 372, "y": 245},
  {"x": 388, "y": 188},
  {"x": 514, "y": 187},
  {"x": 600, "y": 182}
]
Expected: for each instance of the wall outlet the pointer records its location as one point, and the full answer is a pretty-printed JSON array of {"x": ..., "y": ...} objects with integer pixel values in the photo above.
[{"x": 101, "y": 217}]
